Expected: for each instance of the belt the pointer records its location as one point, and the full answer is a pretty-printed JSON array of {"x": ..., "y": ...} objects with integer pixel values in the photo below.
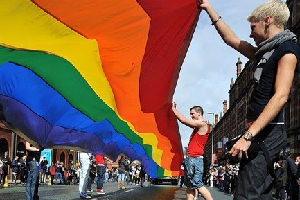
[
  {"x": 250, "y": 122},
  {"x": 194, "y": 157}
]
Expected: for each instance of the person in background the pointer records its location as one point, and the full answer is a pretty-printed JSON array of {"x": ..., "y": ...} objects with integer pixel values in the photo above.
[
  {"x": 292, "y": 186},
  {"x": 85, "y": 162},
  {"x": 133, "y": 172},
  {"x": 6, "y": 161},
  {"x": 142, "y": 175},
  {"x": 23, "y": 170},
  {"x": 280, "y": 170},
  {"x": 52, "y": 172},
  {"x": 71, "y": 172},
  {"x": 32, "y": 177},
  {"x": 121, "y": 173},
  {"x": 92, "y": 174},
  {"x": 101, "y": 169},
  {"x": 137, "y": 175},
  {"x": 1, "y": 171},
  {"x": 182, "y": 176},
  {"x": 35, "y": 153},
  {"x": 59, "y": 173},
  {"x": 76, "y": 169},
  {"x": 15, "y": 168},
  {"x": 106, "y": 175},
  {"x": 298, "y": 173},
  {"x": 43, "y": 165}
]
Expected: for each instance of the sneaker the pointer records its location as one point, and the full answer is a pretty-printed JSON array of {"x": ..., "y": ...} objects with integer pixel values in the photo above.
[
  {"x": 100, "y": 191},
  {"x": 90, "y": 190},
  {"x": 84, "y": 196}
]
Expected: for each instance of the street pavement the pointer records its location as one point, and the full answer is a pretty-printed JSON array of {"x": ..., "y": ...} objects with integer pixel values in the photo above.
[
  {"x": 164, "y": 192},
  {"x": 132, "y": 192}
]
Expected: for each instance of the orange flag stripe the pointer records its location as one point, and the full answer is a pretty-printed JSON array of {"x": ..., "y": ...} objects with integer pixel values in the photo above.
[{"x": 102, "y": 20}]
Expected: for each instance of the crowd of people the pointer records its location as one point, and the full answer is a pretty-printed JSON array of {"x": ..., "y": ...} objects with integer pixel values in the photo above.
[
  {"x": 54, "y": 173},
  {"x": 286, "y": 177},
  {"x": 224, "y": 177},
  {"x": 23, "y": 172}
]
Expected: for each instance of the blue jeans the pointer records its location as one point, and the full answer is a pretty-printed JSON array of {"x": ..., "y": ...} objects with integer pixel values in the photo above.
[
  {"x": 106, "y": 177},
  {"x": 30, "y": 184},
  {"x": 121, "y": 177},
  {"x": 58, "y": 175},
  {"x": 193, "y": 172},
  {"x": 90, "y": 180},
  {"x": 100, "y": 175}
]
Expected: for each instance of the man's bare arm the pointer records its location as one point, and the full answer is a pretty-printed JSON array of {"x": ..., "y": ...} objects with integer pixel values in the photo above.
[
  {"x": 189, "y": 122},
  {"x": 283, "y": 83},
  {"x": 228, "y": 36}
]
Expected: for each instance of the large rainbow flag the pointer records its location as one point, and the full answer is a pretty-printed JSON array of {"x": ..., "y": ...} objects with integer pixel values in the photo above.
[{"x": 97, "y": 75}]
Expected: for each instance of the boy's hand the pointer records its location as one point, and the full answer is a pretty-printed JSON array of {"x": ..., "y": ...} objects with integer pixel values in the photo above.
[{"x": 174, "y": 104}]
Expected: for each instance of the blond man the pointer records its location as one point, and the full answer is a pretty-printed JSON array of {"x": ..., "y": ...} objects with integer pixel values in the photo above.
[{"x": 276, "y": 58}]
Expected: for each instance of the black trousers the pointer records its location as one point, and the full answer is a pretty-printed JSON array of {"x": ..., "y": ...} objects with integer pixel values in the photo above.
[{"x": 255, "y": 181}]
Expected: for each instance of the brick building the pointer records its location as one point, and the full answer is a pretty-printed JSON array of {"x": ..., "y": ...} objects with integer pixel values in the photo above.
[
  {"x": 15, "y": 145},
  {"x": 233, "y": 120},
  {"x": 292, "y": 113},
  {"x": 11, "y": 142}
]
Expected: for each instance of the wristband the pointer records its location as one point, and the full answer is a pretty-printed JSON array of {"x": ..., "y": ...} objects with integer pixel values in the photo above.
[{"x": 215, "y": 21}]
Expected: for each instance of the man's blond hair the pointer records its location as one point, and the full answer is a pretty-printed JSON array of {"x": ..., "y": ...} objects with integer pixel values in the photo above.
[{"x": 274, "y": 8}]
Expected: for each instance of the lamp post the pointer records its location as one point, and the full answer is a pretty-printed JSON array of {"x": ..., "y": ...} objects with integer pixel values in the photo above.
[{"x": 212, "y": 151}]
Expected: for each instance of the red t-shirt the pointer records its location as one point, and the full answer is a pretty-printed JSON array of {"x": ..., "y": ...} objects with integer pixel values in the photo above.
[
  {"x": 99, "y": 159},
  {"x": 52, "y": 170},
  {"x": 197, "y": 143}
]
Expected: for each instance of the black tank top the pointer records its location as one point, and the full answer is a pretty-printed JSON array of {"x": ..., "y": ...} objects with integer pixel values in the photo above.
[{"x": 265, "y": 81}]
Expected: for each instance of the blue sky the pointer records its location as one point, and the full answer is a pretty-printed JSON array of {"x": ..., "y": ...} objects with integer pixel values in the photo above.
[{"x": 209, "y": 65}]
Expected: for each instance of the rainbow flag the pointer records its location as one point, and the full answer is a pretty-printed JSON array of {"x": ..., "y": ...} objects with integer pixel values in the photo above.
[{"x": 96, "y": 75}]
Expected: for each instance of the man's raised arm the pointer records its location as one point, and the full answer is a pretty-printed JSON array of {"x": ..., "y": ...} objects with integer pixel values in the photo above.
[
  {"x": 228, "y": 36},
  {"x": 189, "y": 122}
]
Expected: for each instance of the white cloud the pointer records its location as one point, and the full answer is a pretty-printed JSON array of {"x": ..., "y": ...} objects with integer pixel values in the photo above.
[{"x": 210, "y": 64}]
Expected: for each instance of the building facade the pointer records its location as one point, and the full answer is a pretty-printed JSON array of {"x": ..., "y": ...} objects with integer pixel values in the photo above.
[
  {"x": 233, "y": 120},
  {"x": 292, "y": 113},
  {"x": 11, "y": 142},
  {"x": 15, "y": 145}
]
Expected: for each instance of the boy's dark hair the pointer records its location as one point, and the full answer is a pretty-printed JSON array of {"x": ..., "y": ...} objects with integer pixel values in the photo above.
[{"x": 198, "y": 109}]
